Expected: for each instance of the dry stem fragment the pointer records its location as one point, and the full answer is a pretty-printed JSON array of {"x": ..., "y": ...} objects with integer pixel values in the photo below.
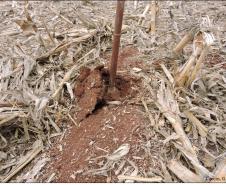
[
  {"x": 185, "y": 40},
  {"x": 25, "y": 160},
  {"x": 183, "y": 173},
  {"x": 153, "y": 17},
  {"x": 184, "y": 74},
  {"x": 151, "y": 119},
  {"x": 169, "y": 107},
  {"x": 144, "y": 13},
  {"x": 197, "y": 66},
  {"x": 67, "y": 76},
  {"x": 64, "y": 46},
  {"x": 140, "y": 179},
  {"x": 168, "y": 74},
  {"x": 201, "y": 128}
]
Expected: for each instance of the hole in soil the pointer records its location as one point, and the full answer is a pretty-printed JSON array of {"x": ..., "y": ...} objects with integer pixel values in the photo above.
[
  {"x": 92, "y": 90},
  {"x": 99, "y": 105}
]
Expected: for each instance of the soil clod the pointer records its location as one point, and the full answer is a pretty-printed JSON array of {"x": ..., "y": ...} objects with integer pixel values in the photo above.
[{"x": 93, "y": 90}]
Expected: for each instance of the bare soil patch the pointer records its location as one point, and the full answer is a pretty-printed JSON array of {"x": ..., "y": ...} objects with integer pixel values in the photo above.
[
  {"x": 128, "y": 59},
  {"x": 107, "y": 120},
  {"x": 99, "y": 134}
]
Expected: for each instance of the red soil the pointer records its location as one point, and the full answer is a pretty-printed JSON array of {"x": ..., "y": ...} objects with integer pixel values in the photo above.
[
  {"x": 93, "y": 90},
  {"x": 103, "y": 128},
  {"x": 128, "y": 59}
]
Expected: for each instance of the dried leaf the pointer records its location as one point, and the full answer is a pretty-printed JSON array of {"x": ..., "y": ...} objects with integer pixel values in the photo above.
[{"x": 119, "y": 153}]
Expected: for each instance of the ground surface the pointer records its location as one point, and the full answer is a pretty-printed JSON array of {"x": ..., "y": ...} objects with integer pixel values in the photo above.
[
  {"x": 104, "y": 126},
  {"x": 60, "y": 122}
]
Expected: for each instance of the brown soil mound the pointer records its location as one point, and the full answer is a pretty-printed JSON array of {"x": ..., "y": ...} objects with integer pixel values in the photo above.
[
  {"x": 92, "y": 90},
  {"x": 103, "y": 128}
]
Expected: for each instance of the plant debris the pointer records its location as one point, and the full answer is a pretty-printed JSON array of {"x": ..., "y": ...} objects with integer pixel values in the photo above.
[{"x": 61, "y": 123}]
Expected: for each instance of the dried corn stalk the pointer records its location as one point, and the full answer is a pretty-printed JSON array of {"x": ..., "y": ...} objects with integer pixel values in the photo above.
[
  {"x": 37, "y": 147},
  {"x": 153, "y": 17},
  {"x": 183, "y": 173},
  {"x": 169, "y": 107},
  {"x": 185, "y": 40},
  {"x": 191, "y": 68}
]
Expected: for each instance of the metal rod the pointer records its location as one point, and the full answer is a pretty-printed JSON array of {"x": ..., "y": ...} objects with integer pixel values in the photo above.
[{"x": 116, "y": 41}]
